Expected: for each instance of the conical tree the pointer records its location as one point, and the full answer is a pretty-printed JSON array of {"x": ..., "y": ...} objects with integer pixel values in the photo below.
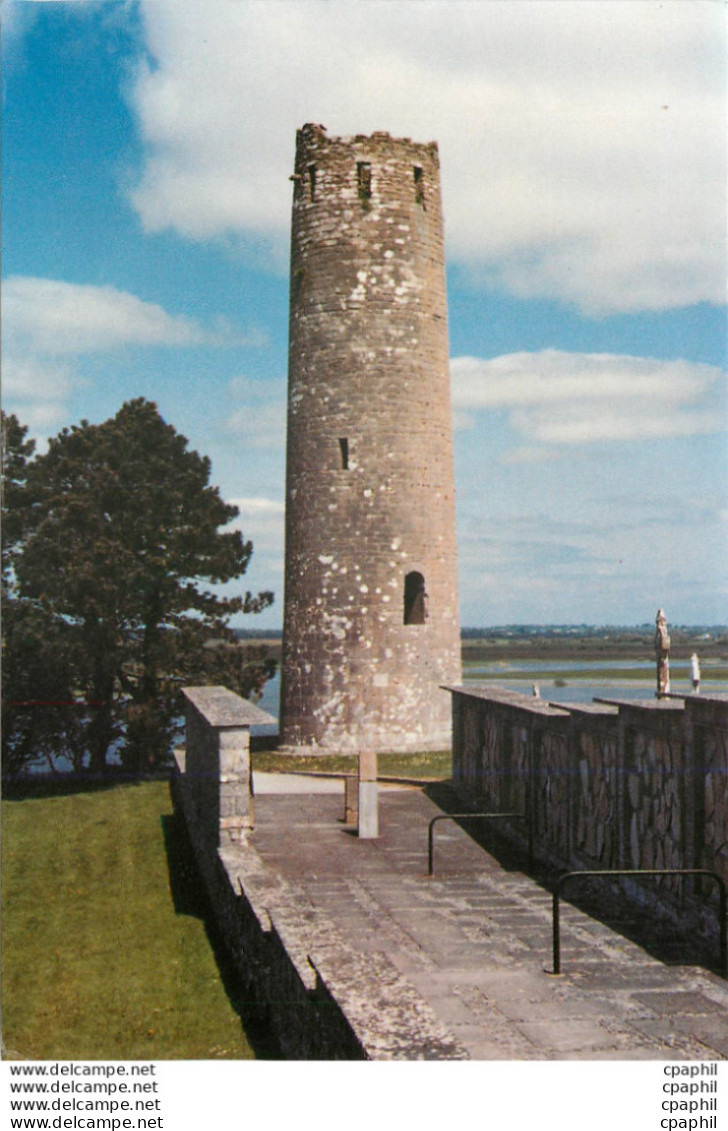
[{"x": 122, "y": 528}]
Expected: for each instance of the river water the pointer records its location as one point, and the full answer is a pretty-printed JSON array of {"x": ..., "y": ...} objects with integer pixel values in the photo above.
[
  {"x": 577, "y": 681},
  {"x": 571, "y": 682}
]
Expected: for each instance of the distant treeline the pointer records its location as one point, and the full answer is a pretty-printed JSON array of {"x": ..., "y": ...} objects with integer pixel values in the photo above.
[
  {"x": 502, "y": 633},
  {"x": 591, "y": 631},
  {"x": 590, "y": 642},
  {"x": 559, "y": 642}
]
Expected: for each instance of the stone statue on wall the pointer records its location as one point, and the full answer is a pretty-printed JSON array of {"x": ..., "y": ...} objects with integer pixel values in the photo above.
[{"x": 662, "y": 654}]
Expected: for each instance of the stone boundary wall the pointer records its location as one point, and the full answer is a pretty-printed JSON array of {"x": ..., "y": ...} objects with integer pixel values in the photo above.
[
  {"x": 611, "y": 784},
  {"x": 322, "y": 999}
]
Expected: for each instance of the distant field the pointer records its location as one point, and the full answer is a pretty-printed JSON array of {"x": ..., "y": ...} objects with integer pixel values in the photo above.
[
  {"x": 104, "y": 951},
  {"x": 589, "y": 650},
  {"x": 594, "y": 674},
  {"x": 589, "y": 645}
]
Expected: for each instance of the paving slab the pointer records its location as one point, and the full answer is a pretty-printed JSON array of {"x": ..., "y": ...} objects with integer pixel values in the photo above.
[
  {"x": 475, "y": 940},
  {"x": 670, "y": 1003}
]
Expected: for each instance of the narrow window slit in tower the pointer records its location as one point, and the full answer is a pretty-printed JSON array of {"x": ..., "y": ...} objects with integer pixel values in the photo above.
[
  {"x": 312, "y": 182},
  {"x": 415, "y": 598},
  {"x": 344, "y": 448},
  {"x": 364, "y": 179},
  {"x": 419, "y": 185}
]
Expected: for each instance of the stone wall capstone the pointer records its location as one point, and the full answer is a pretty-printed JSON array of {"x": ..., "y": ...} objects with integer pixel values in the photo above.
[{"x": 217, "y": 759}]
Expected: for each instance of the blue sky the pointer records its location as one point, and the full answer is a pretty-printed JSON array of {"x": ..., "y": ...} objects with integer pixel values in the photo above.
[{"x": 146, "y": 155}]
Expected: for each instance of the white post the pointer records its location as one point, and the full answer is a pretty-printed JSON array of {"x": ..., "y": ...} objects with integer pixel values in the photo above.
[{"x": 368, "y": 796}]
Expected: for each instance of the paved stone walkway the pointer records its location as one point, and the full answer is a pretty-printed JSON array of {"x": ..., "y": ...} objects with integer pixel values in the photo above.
[{"x": 475, "y": 940}]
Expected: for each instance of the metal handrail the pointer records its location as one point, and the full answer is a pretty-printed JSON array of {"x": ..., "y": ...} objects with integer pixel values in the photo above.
[
  {"x": 462, "y": 816},
  {"x": 722, "y": 913}
]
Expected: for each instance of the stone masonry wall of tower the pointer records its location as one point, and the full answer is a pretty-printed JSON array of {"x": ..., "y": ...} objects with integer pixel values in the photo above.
[{"x": 371, "y": 617}]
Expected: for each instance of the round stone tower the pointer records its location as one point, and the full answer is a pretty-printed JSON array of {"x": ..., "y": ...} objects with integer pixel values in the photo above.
[{"x": 371, "y": 616}]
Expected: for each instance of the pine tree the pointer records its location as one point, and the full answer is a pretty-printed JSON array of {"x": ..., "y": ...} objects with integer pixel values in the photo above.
[{"x": 120, "y": 528}]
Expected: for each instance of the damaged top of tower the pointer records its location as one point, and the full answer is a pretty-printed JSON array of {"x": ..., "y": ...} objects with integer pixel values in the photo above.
[{"x": 313, "y": 130}]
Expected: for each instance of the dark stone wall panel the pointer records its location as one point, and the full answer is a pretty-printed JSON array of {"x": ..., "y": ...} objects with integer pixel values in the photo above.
[{"x": 625, "y": 784}]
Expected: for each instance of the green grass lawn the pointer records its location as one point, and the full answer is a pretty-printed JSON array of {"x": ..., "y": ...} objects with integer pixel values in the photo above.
[
  {"x": 423, "y": 767},
  {"x": 96, "y": 961}
]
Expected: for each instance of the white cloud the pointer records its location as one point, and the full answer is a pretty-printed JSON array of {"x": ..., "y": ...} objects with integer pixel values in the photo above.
[
  {"x": 577, "y": 426},
  {"x": 35, "y": 380},
  {"x": 529, "y": 455},
  {"x": 38, "y": 390},
  {"x": 50, "y": 325},
  {"x": 581, "y": 140},
  {"x": 559, "y": 398},
  {"x": 261, "y": 426},
  {"x": 52, "y": 317},
  {"x": 262, "y": 520},
  {"x": 555, "y": 375},
  {"x": 251, "y": 506},
  {"x": 261, "y": 418},
  {"x": 612, "y": 558},
  {"x": 17, "y": 19}
]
